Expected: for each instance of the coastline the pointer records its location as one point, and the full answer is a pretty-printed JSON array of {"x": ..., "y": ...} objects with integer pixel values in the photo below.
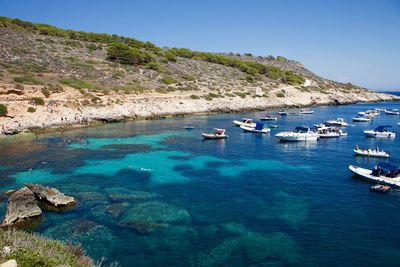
[{"x": 150, "y": 107}]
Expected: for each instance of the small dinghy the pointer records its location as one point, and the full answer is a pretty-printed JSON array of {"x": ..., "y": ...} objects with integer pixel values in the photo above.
[
  {"x": 217, "y": 134},
  {"x": 383, "y": 173},
  {"x": 269, "y": 118},
  {"x": 189, "y": 127},
  {"x": 380, "y": 188},
  {"x": 371, "y": 152},
  {"x": 283, "y": 113},
  {"x": 258, "y": 129},
  {"x": 245, "y": 122},
  {"x": 306, "y": 111},
  {"x": 361, "y": 118}
]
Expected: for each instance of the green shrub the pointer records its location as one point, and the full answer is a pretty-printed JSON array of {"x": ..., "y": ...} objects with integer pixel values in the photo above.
[
  {"x": 129, "y": 89},
  {"x": 125, "y": 54},
  {"x": 161, "y": 91},
  {"x": 154, "y": 65},
  {"x": 76, "y": 83},
  {"x": 208, "y": 98},
  {"x": 189, "y": 77},
  {"x": 194, "y": 97},
  {"x": 26, "y": 79},
  {"x": 213, "y": 95},
  {"x": 281, "y": 59},
  {"x": 280, "y": 94},
  {"x": 169, "y": 80},
  {"x": 242, "y": 95},
  {"x": 3, "y": 110},
  {"x": 46, "y": 92},
  {"x": 229, "y": 95},
  {"x": 37, "y": 101},
  {"x": 31, "y": 110}
]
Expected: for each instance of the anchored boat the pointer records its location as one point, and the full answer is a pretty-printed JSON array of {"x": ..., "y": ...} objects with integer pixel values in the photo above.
[
  {"x": 380, "y": 132},
  {"x": 371, "y": 152},
  {"x": 300, "y": 133},
  {"x": 283, "y": 113},
  {"x": 361, "y": 118},
  {"x": 383, "y": 173},
  {"x": 269, "y": 118},
  {"x": 329, "y": 132},
  {"x": 245, "y": 122},
  {"x": 258, "y": 129},
  {"x": 217, "y": 134},
  {"x": 340, "y": 122},
  {"x": 306, "y": 111},
  {"x": 392, "y": 112}
]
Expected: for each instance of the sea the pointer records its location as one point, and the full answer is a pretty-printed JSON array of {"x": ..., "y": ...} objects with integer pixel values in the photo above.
[{"x": 150, "y": 193}]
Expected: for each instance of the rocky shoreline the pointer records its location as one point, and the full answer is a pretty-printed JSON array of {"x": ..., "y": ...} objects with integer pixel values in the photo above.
[{"x": 61, "y": 115}]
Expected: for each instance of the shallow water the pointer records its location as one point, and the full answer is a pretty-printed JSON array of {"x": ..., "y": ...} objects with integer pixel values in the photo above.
[{"x": 153, "y": 194}]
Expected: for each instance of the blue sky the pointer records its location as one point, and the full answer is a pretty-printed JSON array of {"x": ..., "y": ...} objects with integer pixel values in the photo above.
[{"x": 354, "y": 41}]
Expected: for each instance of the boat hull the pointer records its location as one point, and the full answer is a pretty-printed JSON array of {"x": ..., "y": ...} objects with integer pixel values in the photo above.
[
  {"x": 240, "y": 123},
  {"x": 371, "y": 133},
  {"x": 253, "y": 130},
  {"x": 366, "y": 175},
  {"x": 214, "y": 136},
  {"x": 291, "y": 137},
  {"x": 371, "y": 154}
]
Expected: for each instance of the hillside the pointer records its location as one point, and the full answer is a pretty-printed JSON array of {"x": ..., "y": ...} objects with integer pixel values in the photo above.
[{"x": 50, "y": 77}]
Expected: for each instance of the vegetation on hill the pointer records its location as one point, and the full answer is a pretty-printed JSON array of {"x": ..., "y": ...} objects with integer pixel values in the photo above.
[
  {"x": 33, "y": 250},
  {"x": 134, "y": 52},
  {"x": 3, "y": 110}
]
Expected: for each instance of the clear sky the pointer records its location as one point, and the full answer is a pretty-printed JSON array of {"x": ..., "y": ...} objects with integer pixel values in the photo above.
[{"x": 355, "y": 41}]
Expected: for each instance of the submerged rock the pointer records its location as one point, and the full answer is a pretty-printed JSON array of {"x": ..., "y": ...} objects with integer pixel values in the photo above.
[
  {"x": 22, "y": 205},
  {"x": 142, "y": 227},
  {"x": 155, "y": 211},
  {"x": 251, "y": 247},
  {"x": 50, "y": 195},
  {"x": 132, "y": 195}
]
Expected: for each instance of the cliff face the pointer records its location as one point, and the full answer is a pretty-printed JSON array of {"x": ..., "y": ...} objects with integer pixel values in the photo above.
[{"x": 48, "y": 81}]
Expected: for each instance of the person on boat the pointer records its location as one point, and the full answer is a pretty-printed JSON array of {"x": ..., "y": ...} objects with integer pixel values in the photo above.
[{"x": 356, "y": 147}]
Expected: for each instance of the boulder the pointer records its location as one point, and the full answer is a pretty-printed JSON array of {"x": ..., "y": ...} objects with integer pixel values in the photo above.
[
  {"x": 10, "y": 263},
  {"x": 21, "y": 205},
  {"x": 50, "y": 195}
]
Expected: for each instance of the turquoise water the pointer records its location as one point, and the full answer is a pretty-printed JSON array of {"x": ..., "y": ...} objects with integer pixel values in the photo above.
[{"x": 153, "y": 194}]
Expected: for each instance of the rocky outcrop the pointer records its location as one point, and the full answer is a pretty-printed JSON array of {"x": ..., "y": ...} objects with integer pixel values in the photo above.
[
  {"x": 27, "y": 202},
  {"x": 50, "y": 195},
  {"x": 10, "y": 263},
  {"x": 22, "y": 205}
]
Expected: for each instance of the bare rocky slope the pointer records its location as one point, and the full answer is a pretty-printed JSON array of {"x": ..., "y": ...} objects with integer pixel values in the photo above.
[{"x": 54, "y": 78}]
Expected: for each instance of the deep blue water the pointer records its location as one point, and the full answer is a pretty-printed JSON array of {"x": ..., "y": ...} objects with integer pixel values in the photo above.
[{"x": 153, "y": 194}]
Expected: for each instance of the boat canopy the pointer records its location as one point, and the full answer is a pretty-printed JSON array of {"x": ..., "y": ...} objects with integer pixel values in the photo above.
[
  {"x": 259, "y": 126},
  {"x": 219, "y": 131},
  {"x": 302, "y": 129},
  {"x": 381, "y": 128},
  {"x": 387, "y": 166}
]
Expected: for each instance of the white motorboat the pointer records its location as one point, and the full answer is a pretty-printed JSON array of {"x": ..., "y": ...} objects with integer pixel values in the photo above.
[
  {"x": 340, "y": 122},
  {"x": 306, "y": 111},
  {"x": 380, "y": 132},
  {"x": 299, "y": 134},
  {"x": 361, "y": 118},
  {"x": 269, "y": 118},
  {"x": 371, "y": 152},
  {"x": 392, "y": 112},
  {"x": 217, "y": 134},
  {"x": 283, "y": 113},
  {"x": 329, "y": 132},
  {"x": 383, "y": 173},
  {"x": 258, "y": 129},
  {"x": 245, "y": 122},
  {"x": 379, "y": 109},
  {"x": 372, "y": 113}
]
